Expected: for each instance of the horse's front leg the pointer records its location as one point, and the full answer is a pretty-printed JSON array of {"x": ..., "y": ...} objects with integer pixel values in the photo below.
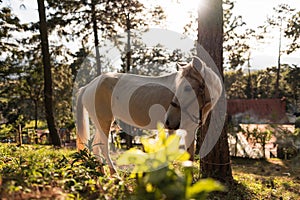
[
  {"x": 191, "y": 150},
  {"x": 190, "y": 141}
]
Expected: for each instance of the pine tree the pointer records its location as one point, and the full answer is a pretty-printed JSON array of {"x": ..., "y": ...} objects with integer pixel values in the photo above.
[
  {"x": 210, "y": 35},
  {"x": 54, "y": 137}
]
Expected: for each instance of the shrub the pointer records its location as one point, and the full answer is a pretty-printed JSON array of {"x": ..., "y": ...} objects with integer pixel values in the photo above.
[{"x": 155, "y": 175}]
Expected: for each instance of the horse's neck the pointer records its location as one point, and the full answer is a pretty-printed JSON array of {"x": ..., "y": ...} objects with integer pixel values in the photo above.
[{"x": 170, "y": 78}]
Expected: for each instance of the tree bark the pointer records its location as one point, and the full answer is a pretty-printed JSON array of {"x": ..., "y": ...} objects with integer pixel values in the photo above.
[
  {"x": 96, "y": 39},
  {"x": 54, "y": 137},
  {"x": 278, "y": 62},
  {"x": 35, "y": 114},
  {"x": 210, "y": 35},
  {"x": 128, "y": 50}
]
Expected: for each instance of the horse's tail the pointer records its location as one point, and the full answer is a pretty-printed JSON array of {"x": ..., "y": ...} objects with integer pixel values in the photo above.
[{"x": 82, "y": 121}]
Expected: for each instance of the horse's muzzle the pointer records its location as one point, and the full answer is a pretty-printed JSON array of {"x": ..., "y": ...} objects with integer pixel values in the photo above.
[{"x": 170, "y": 126}]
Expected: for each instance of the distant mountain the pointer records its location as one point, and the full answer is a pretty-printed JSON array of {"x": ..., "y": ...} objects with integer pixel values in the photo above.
[{"x": 262, "y": 62}]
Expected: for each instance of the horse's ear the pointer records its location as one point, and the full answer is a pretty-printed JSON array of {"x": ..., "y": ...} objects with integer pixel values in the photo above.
[{"x": 198, "y": 64}]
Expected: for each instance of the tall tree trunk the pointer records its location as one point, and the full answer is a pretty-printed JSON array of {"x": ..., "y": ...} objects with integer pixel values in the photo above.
[
  {"x": 35, "y": 114},
  {"x": 96, "y": 39},
  {"x": 210, "y": 35},
  {"x": 278, "y": 62},
  {"x": 128, "y": 49},
  {"x": 54, "y": 137},
  {"x": 129, "y": 138},
  {"x": 249, "y": 88}
]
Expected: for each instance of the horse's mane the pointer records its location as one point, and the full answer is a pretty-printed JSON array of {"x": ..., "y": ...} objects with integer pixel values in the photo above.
[{"x": 190, "y": 72}]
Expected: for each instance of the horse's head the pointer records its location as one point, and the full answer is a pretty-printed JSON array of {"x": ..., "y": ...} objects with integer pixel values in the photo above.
[{"x": 197, "y": 90}]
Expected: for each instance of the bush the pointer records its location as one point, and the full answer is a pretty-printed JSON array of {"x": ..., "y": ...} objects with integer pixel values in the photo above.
[
  {"x": 32, "y": 172},
  {"x": 157, "y": 178}
]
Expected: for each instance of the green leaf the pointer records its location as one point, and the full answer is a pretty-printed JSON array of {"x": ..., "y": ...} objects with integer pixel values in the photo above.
[
  {"x": 161, "y": 132},
  {"x": 159, "y": 153},
  {"x": 183, "y": 157},
  {"x": 150, "y": 145},
  {"x": 204, "y": 186},
  {"x": 132, "y": 156}
]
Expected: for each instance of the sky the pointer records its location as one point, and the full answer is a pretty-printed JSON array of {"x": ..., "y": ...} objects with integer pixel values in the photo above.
[{"x": 254, "y": 13}]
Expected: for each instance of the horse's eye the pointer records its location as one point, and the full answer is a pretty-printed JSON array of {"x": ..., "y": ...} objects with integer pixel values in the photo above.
[{"x": 188, "y": 88}]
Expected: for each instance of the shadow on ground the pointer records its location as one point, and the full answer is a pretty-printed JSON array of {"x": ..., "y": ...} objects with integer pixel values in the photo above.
[{"x": 262, "y": 179}]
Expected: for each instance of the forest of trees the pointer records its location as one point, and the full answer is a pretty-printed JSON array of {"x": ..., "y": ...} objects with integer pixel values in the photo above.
[{"x": 38, "y": 69}]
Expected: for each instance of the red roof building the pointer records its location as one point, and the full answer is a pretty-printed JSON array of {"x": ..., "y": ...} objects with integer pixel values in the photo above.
[{"x": 270, "y": 111}]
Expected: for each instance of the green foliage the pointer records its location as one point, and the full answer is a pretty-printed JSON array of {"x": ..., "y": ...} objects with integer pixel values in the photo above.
[
  {"x": 9, "y": 23},
  {"x": 157, "y": 178},
  {"x": 291, "y": 90},
  {"x": 63, "y": 85},
  {"x": 158, "y": 153},
  {"x": 235, "y": 83},
  {"x": 238, "y": 40},
  {"x": 262, "y": 84},
  {"x": 40, "y": 124},
  {"x": 154, "y": 61},
  {"x": 237, "y": 52},
  {"x": 21, "y": 76},
  {"x": 42, "y": 170},
  {"x": 293, "y": 32},
  {"x": 259, "y": 136},
  {"x": 264, "y": 179},
  {"x": 21, "y": 70},
  {"x": 85, "y": 158},
  {"x": 6, "y": 130},
  {"x": 285, "y": 19}
]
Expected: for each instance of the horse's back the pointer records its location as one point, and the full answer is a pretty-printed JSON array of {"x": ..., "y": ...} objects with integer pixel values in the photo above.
[{"x": 142, "y": 101}]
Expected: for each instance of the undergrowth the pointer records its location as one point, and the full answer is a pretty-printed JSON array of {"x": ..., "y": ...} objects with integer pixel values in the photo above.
[
  {"x": 28, "y": 172},
  {"x": 43, "y": 172}
]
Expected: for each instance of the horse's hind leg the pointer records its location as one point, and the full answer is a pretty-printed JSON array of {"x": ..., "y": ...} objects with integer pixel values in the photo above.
[
  {"x": 104, "y": 115},
  {"x": 101, "y": 145},
  {"x": 79, "y": 144}
]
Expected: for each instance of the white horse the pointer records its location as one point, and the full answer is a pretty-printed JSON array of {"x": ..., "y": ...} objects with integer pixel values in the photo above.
[{"x": 182, "y": 100}]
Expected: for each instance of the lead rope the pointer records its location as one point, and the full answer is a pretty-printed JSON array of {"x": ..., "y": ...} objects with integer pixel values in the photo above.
[
  {"x": 200, "y": 125},
  {"x": 217, "y": 164}
]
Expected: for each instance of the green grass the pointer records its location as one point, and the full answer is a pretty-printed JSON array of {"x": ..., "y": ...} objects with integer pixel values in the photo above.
[
  {"x": 31, "y": 172},
  {"x": 28, "y": 172},
  {"x": 265, "y": 179}
]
